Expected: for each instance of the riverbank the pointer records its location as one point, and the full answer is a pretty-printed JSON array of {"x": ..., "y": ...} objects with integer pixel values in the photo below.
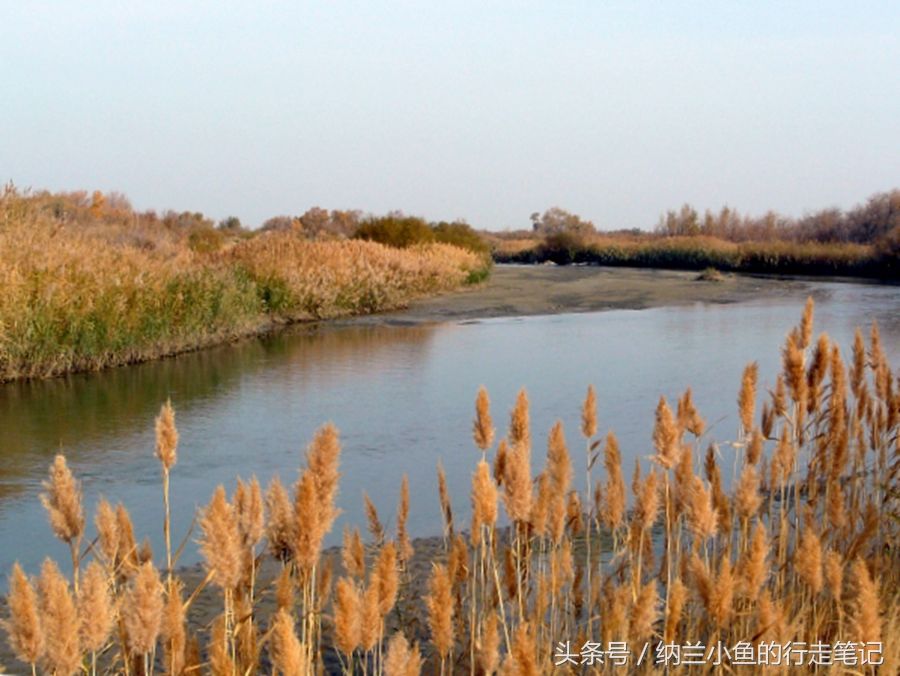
[
  {"x": 877, "y": 259},
  {"x": 83, "y": 295}
]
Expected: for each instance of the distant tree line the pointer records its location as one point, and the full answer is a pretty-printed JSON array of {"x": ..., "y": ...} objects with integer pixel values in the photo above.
[
  {"x": 866, "y": 223},
  {"x": 863, "y": 241}
]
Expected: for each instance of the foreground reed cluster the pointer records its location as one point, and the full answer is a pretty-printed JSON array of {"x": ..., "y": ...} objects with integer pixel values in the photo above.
[{"x": 787, "y": 536}]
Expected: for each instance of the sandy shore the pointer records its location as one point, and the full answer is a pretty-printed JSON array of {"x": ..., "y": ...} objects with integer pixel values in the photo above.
[{"x": 521, "y": 290}]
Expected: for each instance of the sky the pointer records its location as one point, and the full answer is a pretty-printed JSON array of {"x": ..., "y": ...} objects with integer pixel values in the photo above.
[{"x": 486, "y": 111}]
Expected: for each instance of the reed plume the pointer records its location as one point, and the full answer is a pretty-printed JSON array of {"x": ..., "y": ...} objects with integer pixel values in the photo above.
[
  {"x": 834, "y": 574},
  {"x": 747, "y": 395},
  {"x": 23, "y": 627},
  {"x": 521, "y": 659},
  {"x": 485, "y": 495},
  {"x": 647, "y": 502},
  {"x": 405, "y": 549},
  {"x": 166, "y": 437},
  {"x": 287, "y": 654},
  {"x": 221, "y": 659},
  {"x": 865, "y": 613},
  {"x": 347, "y": 616},
  {"x": 249, "y": 512},
  {"x": 689, "y": 417},
  {"x": 815, "y": 374},
  {"x": 483, "y": 427},
  {"x": 370, "y": 626},
  {"x": 446, "y": 506},
  {"x": 376, "y": 530},
  {"x": 589, "y": 414},
  {"x": 666, "y": 436},
  {"x": 792, "y": 356},
  {"x": 858, "y": 366},
  {"x": 520, "y": 422},
  {"x": 809, "y": 561},
  {"x": 63, "y": 504},
  {"x": 439, "y": 604},
  {"x": 397, "y": 655},
  {"x": 755, "y": 448},
  {"x": 753, "y": 570},
  {"x": 500, "y": 458},
  {"x": 677, "y": 595},
  {"x": 59, "y": 622},
  {"x": 484, "y": 500},
  {"x": 220, "y": 543},
  {"x": 127, "y": 558},
  {"x": 309, "y": 527},
  {"x": 614, "y": 505},
  {"x": 401, "y": 659},
  {"x": 644, "y": 612},
  {"x": 353, "y": 554},
  {"x": 280, "y": 522},
  {"x": 172, "y": 628},
  {"x": 322, "y": 459},
  {"x": 517, "y": 483},
  {"x": 806, "y": 323},
  {"x": 559, "y": 463},
  {"x": 95, "y": 611},
  {"x": 167, "y": 454},
  {"x": 107, "y": 532},
  {"x": 285, "y": 589},
  {"x": 747, "y": 496},
  {"x": 701, "y": 516},
  {"x": 540, "y": 508},
  {"x": 388, "y": 578},
  {"x": 142, "y": 610},
  {"x": 489, "y": 648}
]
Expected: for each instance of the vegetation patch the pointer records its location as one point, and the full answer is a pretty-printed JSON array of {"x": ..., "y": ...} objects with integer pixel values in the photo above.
[
  {"x": 89, "y": 283},
  {"x": 863, "y": 242}
]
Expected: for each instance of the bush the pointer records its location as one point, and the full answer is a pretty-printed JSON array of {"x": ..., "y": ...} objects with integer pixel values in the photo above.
[
  {"x": 395, "y": 230},
  {"x": 205, "y": 239},
  {"x": 461, "y": 235},
  {"x": 561, "y": 247}
]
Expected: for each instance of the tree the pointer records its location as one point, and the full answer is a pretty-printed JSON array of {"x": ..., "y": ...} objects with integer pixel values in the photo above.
[
  {"x": 278, "y": 223},
  {"x": 231, "y": 224},
  {"x": 556, "y": 220}
]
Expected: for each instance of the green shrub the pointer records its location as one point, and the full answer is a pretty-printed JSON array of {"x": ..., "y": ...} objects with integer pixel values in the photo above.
[
  {"x": 395, "y": 230},
  {"x": 461, "y": 235}
]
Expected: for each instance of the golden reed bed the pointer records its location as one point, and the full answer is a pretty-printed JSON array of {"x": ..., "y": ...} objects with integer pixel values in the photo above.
[
  {"x": 801, "y": 555},
  {"x": 83, "y": 291}
]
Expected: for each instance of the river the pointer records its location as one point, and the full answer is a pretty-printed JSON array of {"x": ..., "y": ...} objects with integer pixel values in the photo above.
[{"x": 402, "y": 397}]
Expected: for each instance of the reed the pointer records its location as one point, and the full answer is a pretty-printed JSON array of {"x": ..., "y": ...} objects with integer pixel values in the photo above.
[
  {"x": 800, "y": 547},
  {"x": 59, "y": 622},
  {"x": 84, "y": 291},
  {"x": 26, "y": 636}
]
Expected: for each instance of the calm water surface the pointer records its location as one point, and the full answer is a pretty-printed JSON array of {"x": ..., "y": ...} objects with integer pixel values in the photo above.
[{"x": 402, "y": 398}]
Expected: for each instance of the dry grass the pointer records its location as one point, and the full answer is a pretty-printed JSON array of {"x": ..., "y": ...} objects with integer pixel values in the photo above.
[
  {"x": 89, "y": 291},
  {"x": 803, "y": 549}
]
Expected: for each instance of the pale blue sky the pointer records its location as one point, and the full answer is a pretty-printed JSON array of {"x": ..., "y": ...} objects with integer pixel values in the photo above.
[{"x": 484, "y": 110}]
